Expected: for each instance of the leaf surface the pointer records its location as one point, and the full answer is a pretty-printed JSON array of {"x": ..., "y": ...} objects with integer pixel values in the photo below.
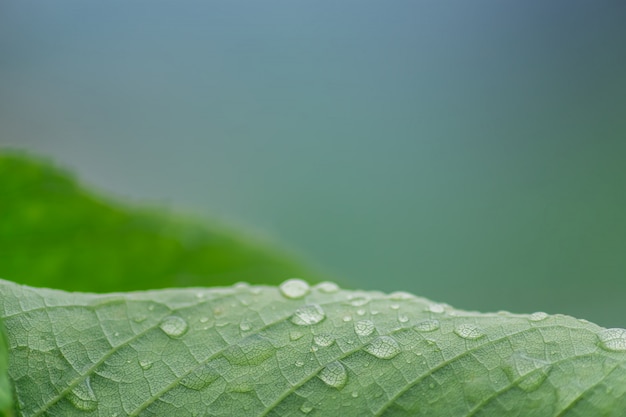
[
  {"x": 294, "y": 350},
  {"x": 6, "y": 394},
  {"x": 53, "y": 233}
]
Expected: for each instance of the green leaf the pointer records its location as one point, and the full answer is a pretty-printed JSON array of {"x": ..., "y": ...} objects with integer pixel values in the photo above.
[
  {"x": 294, "y": 350},
  {"x": 53, "y": 233},
  {"x": 6, "y": 394}
]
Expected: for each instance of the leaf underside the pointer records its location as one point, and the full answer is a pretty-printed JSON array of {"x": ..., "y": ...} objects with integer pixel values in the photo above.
[
  {"x": 293, "y": 351},
  {"x": 54, "y": 233}
]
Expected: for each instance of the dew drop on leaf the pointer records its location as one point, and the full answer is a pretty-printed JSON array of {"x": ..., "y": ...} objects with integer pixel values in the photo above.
[
  {"x": 613, "y": 339},
  {"x": 334, "y": 375},
  {"x": 82, "y": 396},
  {"x": 436, "y": 308},
  {"x": 308, "y": 315},
  {"x": 427, "y": 326},
  {"x": 383, "y": 347},
  {"x": 145, "y": 364},
  {"x": 403, "y": 318},
  {"x": 174, "y": 326},
  {"x": 324, "y": 340},
  {"x": 469, "y": 331},
  {"x": 295, "y": 335},
  {"x": 327, "y": 287},
  {"x": 401, "y": 295},
  {"x": 358, "y": 301},
  {"x": 538, "y": 316},
  {"x": 364, "y": 327},
  {"x": 294, "y": 288}
]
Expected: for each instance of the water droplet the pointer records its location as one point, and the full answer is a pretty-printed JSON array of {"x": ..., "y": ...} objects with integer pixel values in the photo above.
[
  {"x": 469, "y": 331},
  {"x": 294, "y": 288},
  {"x": 174, "y": 326},
  {"x": 299, "y": 363},
  {"x": 204, "y": 319},
  {"x": 241, "y": 285},
  {"x": 613, "y": 339},
  {"x": 327, "y": 287},
  {"x": 295, "y": 335},
  {"x": 427, "y": 326},
  {"x": 347, "y": 318},
  {"x": 140, "y": 319},
  {"x": 529, "y": 373},
  {"x": 308, "y": 315},
  {"x": 200, "y": 377},
  {"x": 364, "y": 327},
  {"x": 436, "y": 308},
  {"x": 394, "y": 306},
  {"x": 306, "y": 408},
  {"x": 402, "y": 318},
  {"x": 82, "y": 396},
  {"x": 244, "y": 326},
  {"x": 255, "y": 290},
  {"x": 401, "y": 295},
  {"x": 383, "y": 347},
  {"x": 360, "y": 312},
  {"x": 538, "y": 316},
  {"x": 355, "y": 394},
  {"x": 145, "y": 364},
  {"x": 359, "y": 301},
  {"x": 324, "y": 340},
  {"x": 334, "y": 375},
  {"x": 251, "y": 350}
]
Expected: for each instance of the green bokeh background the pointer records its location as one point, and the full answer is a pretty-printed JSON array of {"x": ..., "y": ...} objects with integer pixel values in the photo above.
[{"x": 471, "y": 152}]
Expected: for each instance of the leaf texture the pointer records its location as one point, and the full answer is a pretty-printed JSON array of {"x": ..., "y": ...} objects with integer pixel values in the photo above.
[
  {"x": 54, "y": 233},
  {"x": 295, "y": 350}
]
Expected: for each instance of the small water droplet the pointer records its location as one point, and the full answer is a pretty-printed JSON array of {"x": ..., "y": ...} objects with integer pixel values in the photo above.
[
  {"x": 255, "y": 290},
  {"x": 427, "y": 326},
  {"x": 306, "y": 408},
  {"x": 469, "y": 331},
  {"x": 529, "y": 373},
  {"x": 436, "y": 308},
  {"x": 327, "y": 287},
  {"x": 359, "y": 301},
  {"x": 204, "y": 319},
  {"x": 613, "y": 339},
  {"x": 294, "y": 288},
  {"x": 347, "y": 318},
  {"x": 200, "y": 377},
  {"x": 401, "y": 295},
  {"x": 403, "y": 318},
  {"x": 355, "y": 394},
  {"x": 334, "y": 375},
  {"x": 324, "y": 340},
  {"x": 308, "y": 315},
  {"x": 383, "y": 347},
  {"x": 299, "y": 363},
  {"x": 364, "y": 327},
  {"x": 140, "y": 319},
  {"x": 241, "y": 285},
  {"x": 145, "y": 364},
  {"x": 360, "y": 312},
  {"x": 295, "y": 335},
  {"x": 244, "y": 326},
  {"x": 82, "y": 396},
  {"x": 395, "y": 306},
  {"x": 174, "y": 326},
  {"x": 538, "y": 316}
]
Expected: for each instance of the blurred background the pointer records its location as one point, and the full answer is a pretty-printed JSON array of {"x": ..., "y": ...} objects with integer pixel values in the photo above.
[{"x": 469, "y": 152}]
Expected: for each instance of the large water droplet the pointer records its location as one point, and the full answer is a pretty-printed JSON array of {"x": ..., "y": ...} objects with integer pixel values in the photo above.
[
  {"x": 528, "y": 373},
  {"x": 308, "y": 315},
  {"x": 427, "y": 326},
  {"x": 200, "y": 377},
  {"x": 364, "y": 327},
  {"x": 334, "y": 375},
  {"x": 469, "y": 331},
  {"x": 294, "y": 288},
  {"x": 174, "y": 326},
  {"x": 327, "y": 287},
  {"x": 82, "y": 396},
  {"x": 383, "y": 347},
  {"x": 324, "y": 340},
  {"x": 613, "y": 339},
  {"x": 252, "y": 350},
  {"x": 538, "y": 316}
]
